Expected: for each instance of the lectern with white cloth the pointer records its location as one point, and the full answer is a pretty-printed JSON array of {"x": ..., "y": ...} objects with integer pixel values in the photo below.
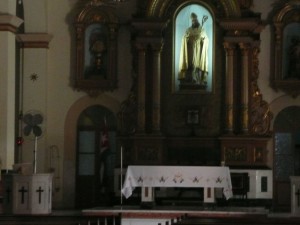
[
  {"x": 295, "y": 195},
  {"x": 28, "y": 194},
  {"x": 148, "y": 177}
]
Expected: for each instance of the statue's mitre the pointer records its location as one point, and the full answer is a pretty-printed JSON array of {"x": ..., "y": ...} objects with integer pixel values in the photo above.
[{"x": 193, "y": 16}]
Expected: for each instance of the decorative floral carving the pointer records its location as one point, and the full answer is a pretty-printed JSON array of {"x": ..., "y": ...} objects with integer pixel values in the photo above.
[
  {"x": 260, "y": 114},
  {"x": 127, "y": 114}
]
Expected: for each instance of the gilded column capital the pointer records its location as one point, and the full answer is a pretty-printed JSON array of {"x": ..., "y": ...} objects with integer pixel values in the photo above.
[
  {"x": 229, "y": 45},
  {"x": 245, "y": 46},
  {"x": 140, "y": 46},
  {"x": 230, "y": 48}
]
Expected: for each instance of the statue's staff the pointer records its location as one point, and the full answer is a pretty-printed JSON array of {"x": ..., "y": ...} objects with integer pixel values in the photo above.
[{"x": 204, "y": 18}]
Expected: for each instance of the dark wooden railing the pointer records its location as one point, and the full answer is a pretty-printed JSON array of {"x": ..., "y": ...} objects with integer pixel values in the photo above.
[
  {"x": 79, "y": 219},
  {"x": 248, "y": 220},
  {"x": 57, "y": 220}
]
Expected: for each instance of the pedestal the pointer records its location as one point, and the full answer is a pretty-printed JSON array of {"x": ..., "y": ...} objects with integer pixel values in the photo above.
[
  {"x": 295, "y": 195},
  {"x": 260, "y": 183},
  {"x": 30, "y": 194}
]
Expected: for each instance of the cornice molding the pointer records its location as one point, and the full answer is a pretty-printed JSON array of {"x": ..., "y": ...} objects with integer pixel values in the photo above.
[
  {"x": 157, "y": 8},
  {"x": 34, "y": 40},
  {"x": 254, "y": 25},
  {"x": 9, "y": 23}
]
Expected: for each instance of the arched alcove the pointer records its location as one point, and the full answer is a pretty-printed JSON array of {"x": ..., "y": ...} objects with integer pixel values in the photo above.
[
  {"x": 95, "y": 156},
  {"x": 189, "y": 74},
  {"x": 71, "y": 123},
  {"x": 158, "y": 8},
  {"x": 286, "y": 153}
]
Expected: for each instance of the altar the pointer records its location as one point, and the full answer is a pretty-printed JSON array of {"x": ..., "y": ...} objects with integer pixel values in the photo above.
[{"x": 149, "y": 177}]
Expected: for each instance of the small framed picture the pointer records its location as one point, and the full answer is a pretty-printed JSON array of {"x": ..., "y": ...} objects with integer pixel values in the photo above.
[
  {"x": 258, "y": 154},
  {"x": 193, "y": 116}
]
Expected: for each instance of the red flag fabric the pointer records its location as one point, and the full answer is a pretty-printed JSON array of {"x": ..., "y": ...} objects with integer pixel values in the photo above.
[
  {"x": 104, "y": 151},
  {"x": 104, "y": 139}
]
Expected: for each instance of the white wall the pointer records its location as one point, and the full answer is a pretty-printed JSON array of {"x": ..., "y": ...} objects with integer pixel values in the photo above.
[
  {"x": 277, "y": 100},
  {"x": 52, "y": 93}
]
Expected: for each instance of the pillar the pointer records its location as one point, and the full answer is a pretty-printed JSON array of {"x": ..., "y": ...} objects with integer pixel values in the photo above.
[
  {"x": 141, "y": 96},
  {"x": 230, "y": 55},
  {"x": 245, "y": 87},
  {"x": 8, "y": 27},
  {"x": 156, "y": 89}
]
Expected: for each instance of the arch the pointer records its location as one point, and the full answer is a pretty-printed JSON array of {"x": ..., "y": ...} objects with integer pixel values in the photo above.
[
  {"x": 281, "y": 103},
  {"x": 288, "y": 119},
  {"x": 158, "y": 8},
  {"x": 286, "y": 152},
  {"x": 70, "y": 128}
]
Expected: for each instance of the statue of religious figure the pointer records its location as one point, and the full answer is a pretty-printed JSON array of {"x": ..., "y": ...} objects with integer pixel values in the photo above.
[{"x": 193, "y": 62}]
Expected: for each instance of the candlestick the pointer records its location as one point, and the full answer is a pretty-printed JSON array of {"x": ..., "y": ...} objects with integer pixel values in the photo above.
[
  {"x": 121, "y": 178},
  {"x": 34, "y": 153},
  {"x": 121, "y": 157}
]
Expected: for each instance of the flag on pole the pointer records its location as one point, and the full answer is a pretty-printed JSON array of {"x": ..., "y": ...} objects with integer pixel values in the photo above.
[
  {"x": 104, "y": 151},
  {"x": 104, "y": 139}
]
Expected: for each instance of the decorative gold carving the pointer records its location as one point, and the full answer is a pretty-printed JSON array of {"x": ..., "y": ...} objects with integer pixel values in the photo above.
[
  {"x": 235, "y": 154},
  {"x": 258, "y": 154},
  {"x": 244, "y": 150},
  {"x": 127, "y": 114},
  {"x": 260, "y": 114}
]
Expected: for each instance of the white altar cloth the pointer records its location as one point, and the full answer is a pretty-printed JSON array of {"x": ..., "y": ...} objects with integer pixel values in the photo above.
[{"x": 177, "y": 176}]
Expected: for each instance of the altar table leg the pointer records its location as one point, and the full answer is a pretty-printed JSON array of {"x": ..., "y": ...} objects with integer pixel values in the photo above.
[
  {"x": 209, "y": 195},
  {"x": 147, "y": 197},
  {"x": 147, "y": 194}
]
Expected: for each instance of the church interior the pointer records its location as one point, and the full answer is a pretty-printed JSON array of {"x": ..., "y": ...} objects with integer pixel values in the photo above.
[{"x": 98, "y": 96}]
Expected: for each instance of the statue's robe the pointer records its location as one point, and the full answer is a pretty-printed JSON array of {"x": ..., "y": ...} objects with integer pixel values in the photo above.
[{"x": 194, "y": 55}]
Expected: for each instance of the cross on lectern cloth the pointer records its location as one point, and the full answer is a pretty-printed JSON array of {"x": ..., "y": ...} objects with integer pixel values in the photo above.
[
  {"x": 298, "y": 196},
  {"x": 40, "y": 190},
  {"x": 22, "y": 191}
]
